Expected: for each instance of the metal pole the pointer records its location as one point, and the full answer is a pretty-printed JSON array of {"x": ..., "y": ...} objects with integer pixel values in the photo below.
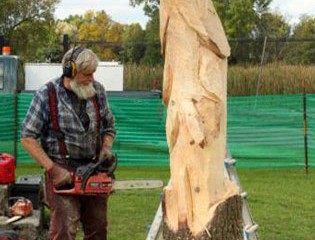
[
  {"x": 305, "y": 129},
  {"x": 15, "y": 127},
  {"x": 66, "y": 43},
  {"x": 261, "y": 65},
  {"x": 260, "y": 70}
]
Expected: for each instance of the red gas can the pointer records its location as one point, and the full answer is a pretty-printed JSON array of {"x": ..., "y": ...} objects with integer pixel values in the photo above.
[{"x": 7, "y": 168}]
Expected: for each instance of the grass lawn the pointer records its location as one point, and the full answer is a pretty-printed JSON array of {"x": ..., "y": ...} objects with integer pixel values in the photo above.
[{"x": 282, "y": 202}]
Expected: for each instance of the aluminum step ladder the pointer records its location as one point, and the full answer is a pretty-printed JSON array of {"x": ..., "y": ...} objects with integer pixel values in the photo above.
[{"x": 250, "y": 227}]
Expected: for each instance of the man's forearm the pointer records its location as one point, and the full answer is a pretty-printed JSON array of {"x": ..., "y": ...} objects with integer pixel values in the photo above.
[{"x": 37, "y": 152}]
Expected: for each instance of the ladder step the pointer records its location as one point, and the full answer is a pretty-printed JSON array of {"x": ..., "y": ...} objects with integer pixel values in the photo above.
[
  {"x": 244, "y": 195},
  {"x": 250, "y": 229},
  {"x": 229, "y": 162}
]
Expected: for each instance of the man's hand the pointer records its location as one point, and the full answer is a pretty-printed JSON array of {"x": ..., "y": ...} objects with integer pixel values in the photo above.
[
  {"x": 59, "y": 175},
  {"x": 106, "y": 152},
  {"x": 110, "y": 163}
]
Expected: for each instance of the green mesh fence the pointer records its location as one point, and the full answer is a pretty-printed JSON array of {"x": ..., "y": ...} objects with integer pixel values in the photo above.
[
  {"x": 24, "y": 100},
  {"x": 263, "y": 131},
  {"x": 7, "y": 123},
  {"x": 267, "y": 131},
  {"x": 140, "y": 128}
]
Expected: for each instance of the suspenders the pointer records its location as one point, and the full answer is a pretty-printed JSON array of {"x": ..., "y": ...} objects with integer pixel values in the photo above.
[{"x": 53, "y": 107}]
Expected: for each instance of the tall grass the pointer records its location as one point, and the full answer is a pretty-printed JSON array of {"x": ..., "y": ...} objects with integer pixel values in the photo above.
[
  {"x": 142, "y": 77},
  {"x": 271, "y": 79},
  {"x": 275, "y": 78}
]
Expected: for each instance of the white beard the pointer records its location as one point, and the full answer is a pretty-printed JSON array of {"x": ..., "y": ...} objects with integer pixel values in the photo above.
[{"x": 83, "y": 92}]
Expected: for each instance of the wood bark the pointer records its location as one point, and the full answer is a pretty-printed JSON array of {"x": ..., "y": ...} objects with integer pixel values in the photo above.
[
  {"x": 195, "y": 49},
  {"x": 4, "y": 200}
]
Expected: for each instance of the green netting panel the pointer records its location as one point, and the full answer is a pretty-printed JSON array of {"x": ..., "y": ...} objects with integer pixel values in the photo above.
[
  {"x": 263, "y": 131},
  {"x": 7, "y": 123},
  {"x": 311, "y": 127},
  {"x": 140, "y": 129},
  {"x": 24, "y": 100},
  {"x": 266, "y": 131}
]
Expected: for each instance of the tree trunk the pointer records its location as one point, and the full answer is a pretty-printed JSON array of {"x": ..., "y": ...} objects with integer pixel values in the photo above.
[{"x": 201, "y": 202}]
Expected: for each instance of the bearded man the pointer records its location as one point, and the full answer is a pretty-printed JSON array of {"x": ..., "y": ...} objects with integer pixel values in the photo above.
[{"x": 72, "y": 119}]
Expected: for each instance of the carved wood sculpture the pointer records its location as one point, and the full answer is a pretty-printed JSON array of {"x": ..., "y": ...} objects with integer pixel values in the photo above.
[{"x": 201, "y": 202}]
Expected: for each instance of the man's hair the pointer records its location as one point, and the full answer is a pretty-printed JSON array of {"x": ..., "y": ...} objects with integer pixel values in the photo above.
[{"x": 86, "y": 60}]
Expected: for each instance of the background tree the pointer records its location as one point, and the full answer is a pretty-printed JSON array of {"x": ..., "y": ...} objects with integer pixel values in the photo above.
[
  {"x": 302, "y": 52},
  {"x": 76, "y": 20},
  {"x": 98, "y": 26},
  {"x": 251, "y": 20},
  {"x": 242, "y": 19},
  {"x": 133, "y": 46},
  {"x": 152, "y": 32},
  {"x": 29, "y": 26},
  {"x": 238, "y": 18},
  {"x": 152, "y": 40},
  {"x": 36, "y": 41},
  {"x": 274, "y": 27}
]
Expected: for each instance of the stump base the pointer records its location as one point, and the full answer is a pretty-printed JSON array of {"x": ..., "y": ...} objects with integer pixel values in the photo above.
[{"x": 225, "y": 224}]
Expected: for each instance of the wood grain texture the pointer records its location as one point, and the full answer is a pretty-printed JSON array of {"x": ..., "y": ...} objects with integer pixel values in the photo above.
[{"x": 195, "y": 49}]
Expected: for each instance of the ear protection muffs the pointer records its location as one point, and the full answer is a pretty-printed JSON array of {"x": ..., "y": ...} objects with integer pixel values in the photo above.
[{"x": 70, "y": 68}]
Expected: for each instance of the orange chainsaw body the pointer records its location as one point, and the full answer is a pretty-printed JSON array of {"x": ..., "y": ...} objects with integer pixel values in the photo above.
[{"x": 96, "y": 184}]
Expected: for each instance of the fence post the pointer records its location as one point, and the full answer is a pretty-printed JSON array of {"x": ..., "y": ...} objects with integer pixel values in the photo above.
[
  {"x": 66, "y": 43},
  {"x": 305, "y": 128}
]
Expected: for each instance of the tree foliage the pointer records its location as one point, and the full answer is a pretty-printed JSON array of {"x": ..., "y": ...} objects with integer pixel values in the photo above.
[
  {"x": 133, "y": 46},
  {"x": 241, "y": 19},
  {"x": 28, "y": 25},
  {"x": 98, "y": 26},
  {"x": 272, "y": 25},
  {"x": 302, "y": 52},
  {"x": 152, "y": 40},
  {"x": 14, "y": 13},
  {"x": 151, "y": 8},
  {"x": 238, "y": 17}
]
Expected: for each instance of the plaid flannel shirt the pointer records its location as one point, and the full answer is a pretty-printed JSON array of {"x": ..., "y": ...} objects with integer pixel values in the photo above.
[{"x": 80, "y": 143}]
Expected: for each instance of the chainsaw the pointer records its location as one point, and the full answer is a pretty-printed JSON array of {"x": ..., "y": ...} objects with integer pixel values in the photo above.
[
  {"x": 98, "y": 179},
  {"x": 21, "y": 208}
]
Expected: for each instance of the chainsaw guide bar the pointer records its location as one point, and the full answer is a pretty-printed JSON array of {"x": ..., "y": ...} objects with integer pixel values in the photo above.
[{"x": 136, "y": 184}]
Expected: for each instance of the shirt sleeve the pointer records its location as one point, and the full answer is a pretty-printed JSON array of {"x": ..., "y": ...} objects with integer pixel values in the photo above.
[{"x": 34, "y": 120}]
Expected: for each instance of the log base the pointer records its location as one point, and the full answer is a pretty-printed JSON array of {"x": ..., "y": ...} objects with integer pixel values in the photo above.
[{"x": 226, "y": 224}]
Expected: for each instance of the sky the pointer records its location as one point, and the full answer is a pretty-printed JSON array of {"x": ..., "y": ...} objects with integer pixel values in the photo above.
[
  {"x": 293, "y": 9},
  {"x": 122, "y": 12}
]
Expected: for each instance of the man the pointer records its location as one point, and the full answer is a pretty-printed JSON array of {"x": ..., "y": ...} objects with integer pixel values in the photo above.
[{"x": 71, "y": 118}]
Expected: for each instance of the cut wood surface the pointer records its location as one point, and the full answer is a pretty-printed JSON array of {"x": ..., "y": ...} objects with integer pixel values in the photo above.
[{"x": 194, "y": 90}]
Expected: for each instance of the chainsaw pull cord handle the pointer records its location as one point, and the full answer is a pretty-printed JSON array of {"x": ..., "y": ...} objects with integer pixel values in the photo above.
[{"x": 89, "y": 172}]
